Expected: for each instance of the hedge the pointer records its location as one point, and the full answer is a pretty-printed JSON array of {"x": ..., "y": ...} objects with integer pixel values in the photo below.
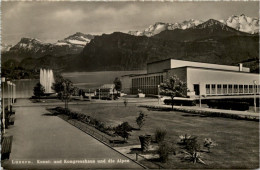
[
  {"x": 177, "y": 102},
  {"x": 242, "y": 106},
  {"x": 85, "y": 119}
]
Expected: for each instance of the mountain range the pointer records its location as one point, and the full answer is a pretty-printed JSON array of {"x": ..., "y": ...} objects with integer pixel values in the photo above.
[
  {"x": 211, "y": 41},
  {"x": 31, "y": 47},
  {"x": 241, "y": 23}
]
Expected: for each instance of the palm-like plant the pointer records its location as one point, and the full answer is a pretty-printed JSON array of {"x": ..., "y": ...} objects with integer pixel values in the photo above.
[
  {"x": 184, "y": 138},
  {"x": 195, "y": 157}
]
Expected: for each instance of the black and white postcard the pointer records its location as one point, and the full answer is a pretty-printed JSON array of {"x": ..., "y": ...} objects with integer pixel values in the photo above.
[{"x": 130, "y": 84}]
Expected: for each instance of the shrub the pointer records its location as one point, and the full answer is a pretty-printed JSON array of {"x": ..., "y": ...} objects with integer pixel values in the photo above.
[
  {"x": 140, "y": 119},
  {"x": 164, "y": 150},
  {"x": 160, "y": 135},
  {"x": 209, "y": 143},
  {"x": 192, "y": 145}
]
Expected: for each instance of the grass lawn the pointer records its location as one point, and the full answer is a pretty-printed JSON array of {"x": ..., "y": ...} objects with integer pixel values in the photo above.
[{"x": 238, "y": 140}]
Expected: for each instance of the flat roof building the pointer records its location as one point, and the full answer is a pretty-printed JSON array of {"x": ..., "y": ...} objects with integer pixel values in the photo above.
[{"x": 201, "y": 78}]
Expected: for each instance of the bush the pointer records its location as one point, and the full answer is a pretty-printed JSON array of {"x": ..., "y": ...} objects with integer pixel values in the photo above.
[
  {"x": 209, "y": 143},
  {"x": 164, "y": 150},
  {"x": 219, "y": 104},
  {"x": 177, "y": 102},
  {"x": 192, "y": 145},
  {"x": 160, "y": 135}
]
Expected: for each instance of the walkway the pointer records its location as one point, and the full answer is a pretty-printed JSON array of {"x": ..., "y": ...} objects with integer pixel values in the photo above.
[{"x": 40, "y": 136}]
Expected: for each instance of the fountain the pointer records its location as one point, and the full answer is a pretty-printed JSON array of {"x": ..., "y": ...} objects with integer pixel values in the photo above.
[{"x": 47, "y": 79}]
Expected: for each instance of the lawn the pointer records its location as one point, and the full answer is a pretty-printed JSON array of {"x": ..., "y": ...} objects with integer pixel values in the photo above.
[{"x": 238, "y": 140}]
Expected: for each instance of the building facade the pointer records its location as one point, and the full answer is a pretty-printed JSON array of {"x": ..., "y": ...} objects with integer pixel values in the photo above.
[{"x": 201, "y": 78}]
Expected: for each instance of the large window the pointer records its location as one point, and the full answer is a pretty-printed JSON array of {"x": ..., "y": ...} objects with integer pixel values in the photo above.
[
  {"x": 250, "y": 88},
  {"x": 219, "y": 88},
  {"x": 224, "y": 89},
  {"x": 213, "y": 89},
  {"x": 161, "y": 78},
  {"x": 207, "y": 89},
  {"x": 235, "y": 88},
  {"x": 245, "y": 88},
  {"x": 240, "y": 88},
  {"x": 230, "y": 89}
]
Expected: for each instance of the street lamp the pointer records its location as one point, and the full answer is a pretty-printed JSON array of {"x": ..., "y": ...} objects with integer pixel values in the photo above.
[
  {"x": 99, "y": 94},
  {"x": 14, "y": 93},
  {"x": 254, "y": 95},
  {"x": 89, "y": 96},
  {"x": 200, "y": 94},
  {"x": 11, "y": 93},
  {"x": 158, "y": 94},
  {"x": 3, "y": 99},
  {"x": 8, "y": 93}
]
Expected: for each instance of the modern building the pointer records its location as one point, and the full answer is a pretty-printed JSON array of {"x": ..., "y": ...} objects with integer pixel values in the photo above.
[
  {"x": 106, "y": 90},
  {"x": 201, "y": 78}
]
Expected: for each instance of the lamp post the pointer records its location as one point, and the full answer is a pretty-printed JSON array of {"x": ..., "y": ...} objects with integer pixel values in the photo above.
[
  {"x": 14, "y": 93},
  {"x": 200, "y": 94},
  {"x": 11, "y": 93},
  {"x": 89, "y": 96},
  {"x": 8, "y": 93},
  {"x": 158, "y": 94},
  {"x": 254, "y": 95},
  {"x": 3, "y": 106}
]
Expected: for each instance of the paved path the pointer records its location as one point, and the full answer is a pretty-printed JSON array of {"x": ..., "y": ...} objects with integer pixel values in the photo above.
[{"x": 39, "y": 136}]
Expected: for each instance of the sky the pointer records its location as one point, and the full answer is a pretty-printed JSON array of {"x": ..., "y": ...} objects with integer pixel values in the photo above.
[{"x": 56, "y": 20}]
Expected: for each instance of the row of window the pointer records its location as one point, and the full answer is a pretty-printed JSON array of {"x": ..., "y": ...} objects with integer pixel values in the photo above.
[
  {"x": 145, "y": 90},
  {"x": 231, "y": 88},
  {"x": 147, "y": 81}
]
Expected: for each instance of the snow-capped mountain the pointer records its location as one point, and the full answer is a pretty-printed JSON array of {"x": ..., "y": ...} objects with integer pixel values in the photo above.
[
  {"x": 159, "y": 27},
  {"x": 241, "y": 23},
  {"x": 31, "y": 47},
  {"x": 78, "y": 39},
  {"x": 30, "y": 44}
]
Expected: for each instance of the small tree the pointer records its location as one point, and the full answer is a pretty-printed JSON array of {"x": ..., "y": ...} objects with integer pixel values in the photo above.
[
  {"x": 141, "y": 119},
  {"x": 38, "y": 90},
  {"x": 123, "y": 130},
  {"x": 64, "y": 88},
  {"x": 118, "y": 84},
  {"x": 173, "y": 87}
]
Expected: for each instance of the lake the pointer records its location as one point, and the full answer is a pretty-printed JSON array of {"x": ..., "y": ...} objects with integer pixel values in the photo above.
[{"x": 84, "y": 80}]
